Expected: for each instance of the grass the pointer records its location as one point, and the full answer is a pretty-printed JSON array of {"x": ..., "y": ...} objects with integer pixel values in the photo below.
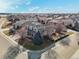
[
  {"x": 6, "y": 32},
  {"x": 31, "y": 46},
  {"x": 5, "y": 25}
]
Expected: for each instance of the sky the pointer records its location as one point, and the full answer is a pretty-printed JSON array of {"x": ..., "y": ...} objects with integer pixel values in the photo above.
[{"x": 39, "y": 6}]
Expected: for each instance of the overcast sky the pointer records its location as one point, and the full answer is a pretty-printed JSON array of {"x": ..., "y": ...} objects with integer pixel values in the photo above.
[{"x": 45, "y": 6}]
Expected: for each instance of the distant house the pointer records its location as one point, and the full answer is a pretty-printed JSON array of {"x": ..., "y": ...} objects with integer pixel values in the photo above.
[
  {"x": 35, "y": 27},
  {"x": 54, "y": 27}
]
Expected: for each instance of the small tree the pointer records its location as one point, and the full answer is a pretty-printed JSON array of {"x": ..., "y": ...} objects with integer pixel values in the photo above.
[
  {"x": 65, "y": 42},
  {"x": 37, "y": 39}
]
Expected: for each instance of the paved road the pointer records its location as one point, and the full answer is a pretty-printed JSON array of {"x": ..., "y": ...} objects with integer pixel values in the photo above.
[
  {"x": 4, "y": 45},
  {"x": 7, "y": 49},
  {"x": 64, "y": 52},
  {"x": 76, "y": 55}
]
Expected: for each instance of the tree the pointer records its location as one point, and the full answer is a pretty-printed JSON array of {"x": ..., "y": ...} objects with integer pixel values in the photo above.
[
  {"x": 37, "y": 39},
  {"x": 65, "y": 42}
]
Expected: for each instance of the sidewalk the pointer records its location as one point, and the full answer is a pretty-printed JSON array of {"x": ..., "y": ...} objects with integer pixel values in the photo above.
[{"x": 76, "y": 55}]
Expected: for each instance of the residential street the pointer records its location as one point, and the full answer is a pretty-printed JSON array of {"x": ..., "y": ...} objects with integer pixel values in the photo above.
[
  {"x": 8, "y": 51},
  {"x": 5, "y": 47}
]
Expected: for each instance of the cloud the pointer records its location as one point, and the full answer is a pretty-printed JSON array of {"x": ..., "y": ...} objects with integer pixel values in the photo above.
[
  {"x": 28, "y": 2},
  {"x": 34, "y": 8},
  {"x": 37, "y": 9},
  {"x": 27, "y": 6},
  {"x": 6, "y": 5}
]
